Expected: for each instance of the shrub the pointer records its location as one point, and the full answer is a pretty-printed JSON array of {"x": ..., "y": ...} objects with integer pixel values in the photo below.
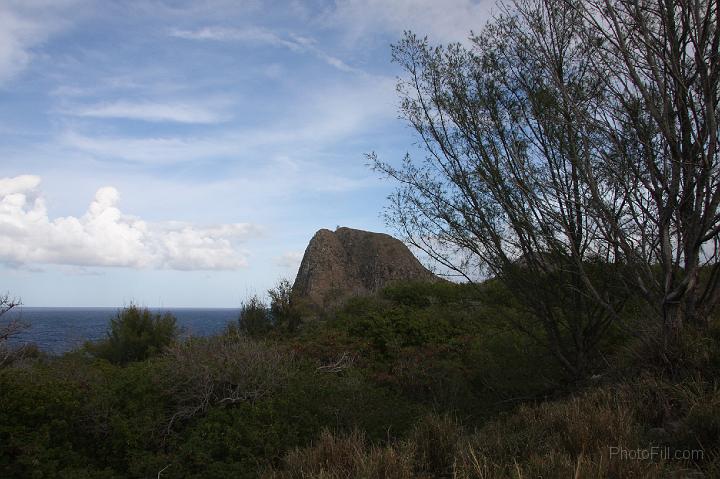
[
  {"x": 19, "y": 354},
  {"x": 240, "y": 404},
  {"x": 71, "y": 417},
  {"x": 38, "y": 423},
  {"x": 135, "y": 334},
  {"x": 220, "y": 371},
  {"x": 445, "y": 345},
  {"x": 254, "y": 317},
  {"x": 423, "y": 294},
  {"x": 695, "y": 351},
  {"x": 284, "y": 310}
]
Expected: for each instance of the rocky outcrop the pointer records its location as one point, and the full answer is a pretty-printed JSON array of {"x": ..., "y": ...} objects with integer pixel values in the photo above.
[{"x": 348, "y": 262}]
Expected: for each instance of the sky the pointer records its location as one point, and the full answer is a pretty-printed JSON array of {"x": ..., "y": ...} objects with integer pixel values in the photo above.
[{"x": 183, "y": 153}]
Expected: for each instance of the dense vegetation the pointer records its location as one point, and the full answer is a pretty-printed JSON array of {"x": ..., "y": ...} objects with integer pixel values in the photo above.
[
  {"x": 572, "y": 157},
  {"x": 423, "y": 380}
]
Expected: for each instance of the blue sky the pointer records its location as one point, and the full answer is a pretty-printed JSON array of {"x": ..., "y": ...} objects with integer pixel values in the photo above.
[{"x": 182, "y": 153}]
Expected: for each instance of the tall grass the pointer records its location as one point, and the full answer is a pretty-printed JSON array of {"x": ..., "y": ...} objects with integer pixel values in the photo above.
[{"x": 582, "y": 436}]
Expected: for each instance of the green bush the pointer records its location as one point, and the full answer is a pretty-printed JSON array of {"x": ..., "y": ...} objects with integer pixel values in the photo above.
[
  {"x": 39, "y": 421},
  {"x": 237, "y": 437},
  {"x": 285, "y": 312},
  {"x": 135, "y": 334},
  {"x": 71, "y": 417},
  {"x": 254, "y": 319},
  {"x": 423, "y": 294},
  {"x": 234, "y": 406},
  {"x": 444, "y": 345}
]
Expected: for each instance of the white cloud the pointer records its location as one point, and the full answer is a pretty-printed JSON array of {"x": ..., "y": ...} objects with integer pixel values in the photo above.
[
  {"x": 23, "y": 26},
  {"x": 223, "y": 34},
  {"x": 15, "y": 41},
  {"x": 158, "y": 150},
  {"x": 105, "y": 236},
  {"x": 313, "y": 122},
  {"x": 177, "y": 112},
  {"x": 259, "y": 35},
  {"x": 446, "y": 21},
  {"x": 290, "y": 259}
]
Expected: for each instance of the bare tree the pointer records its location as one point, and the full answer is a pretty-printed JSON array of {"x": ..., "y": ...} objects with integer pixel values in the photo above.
[
  {"x": 9, "y": 327},
  {"x": 659, "y": 116},
  {"x": 501, "y": 189},
  {"x": 571, "y": 153},
  {"x": 222, "y": 370}
]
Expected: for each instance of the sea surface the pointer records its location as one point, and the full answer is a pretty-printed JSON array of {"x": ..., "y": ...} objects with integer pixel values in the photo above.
[{"x": 58, "y": 330}]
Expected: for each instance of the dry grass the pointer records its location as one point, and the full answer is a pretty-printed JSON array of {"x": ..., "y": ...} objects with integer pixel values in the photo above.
[
  {"x": 569, "y": 438},
  {"x": 346, "y": 455}
]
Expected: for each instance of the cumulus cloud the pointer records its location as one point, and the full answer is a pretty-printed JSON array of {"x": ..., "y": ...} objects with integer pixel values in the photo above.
[{"x": 105, "y": 236}]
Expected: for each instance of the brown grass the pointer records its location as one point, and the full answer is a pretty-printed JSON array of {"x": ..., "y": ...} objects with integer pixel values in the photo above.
[
  {"x": 345, "y": 455},
  {"x": 568, "y": 438}
]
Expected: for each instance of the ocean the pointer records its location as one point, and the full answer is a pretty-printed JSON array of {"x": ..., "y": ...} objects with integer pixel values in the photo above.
[{"x": 58, "y": 330}]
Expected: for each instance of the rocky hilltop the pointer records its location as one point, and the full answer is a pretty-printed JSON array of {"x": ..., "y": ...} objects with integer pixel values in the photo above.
[{"x": 348, "y": 262}]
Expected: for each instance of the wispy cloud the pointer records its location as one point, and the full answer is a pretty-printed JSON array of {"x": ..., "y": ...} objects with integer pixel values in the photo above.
[
  {"x": 105, "y": 236},
  {"x": 264, "y": 36},
  {"x": 157, "y": 150},
  {"x": 23, "y": 26},
  {"x": 446, "y": 21},
  {"x": 290, "y": 260},
  {"x": 318, "y": 120},
  {"x": 223, "y": 34},
  {"x": 178, "y": 112},
  {"x": 16, "y": 38}
]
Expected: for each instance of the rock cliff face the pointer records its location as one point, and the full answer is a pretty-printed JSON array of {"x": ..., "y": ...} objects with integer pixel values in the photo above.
[{"x": 349, "y": 262}]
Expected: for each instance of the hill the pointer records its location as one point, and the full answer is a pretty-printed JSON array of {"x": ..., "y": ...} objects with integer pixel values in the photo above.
[{"x": 349, "y": 262}]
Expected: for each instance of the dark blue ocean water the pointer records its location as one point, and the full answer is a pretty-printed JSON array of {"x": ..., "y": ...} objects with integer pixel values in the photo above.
[{"x": 58, "y": 330}]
